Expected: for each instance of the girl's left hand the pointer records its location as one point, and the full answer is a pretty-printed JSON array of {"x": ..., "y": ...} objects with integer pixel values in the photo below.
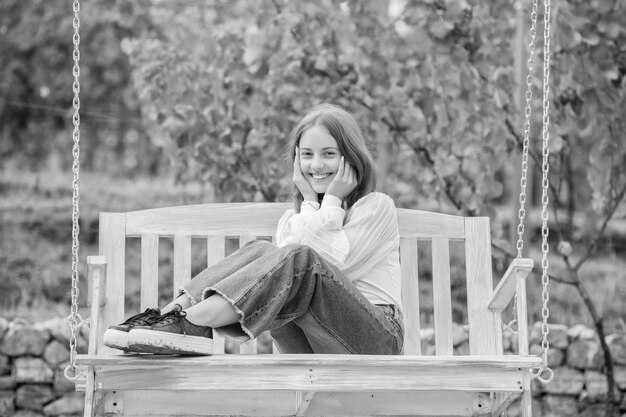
[{"x": 344, "y": 182}]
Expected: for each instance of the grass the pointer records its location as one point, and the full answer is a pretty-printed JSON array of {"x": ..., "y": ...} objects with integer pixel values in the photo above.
[
  {"x": 36, "y": 225},
  {"x": 35, "y": 249}
]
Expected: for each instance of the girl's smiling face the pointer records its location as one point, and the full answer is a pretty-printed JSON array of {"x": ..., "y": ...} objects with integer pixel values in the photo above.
[{"x": 319, "y": 158}]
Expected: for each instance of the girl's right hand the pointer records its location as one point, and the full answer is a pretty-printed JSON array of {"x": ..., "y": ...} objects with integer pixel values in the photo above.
[{"x": 298, "y": 179}]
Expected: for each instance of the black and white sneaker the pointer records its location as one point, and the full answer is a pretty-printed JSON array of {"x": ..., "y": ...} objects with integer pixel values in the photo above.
[
  {"x": 171, "y": 334},
  {"x": 117, "y": 336}
]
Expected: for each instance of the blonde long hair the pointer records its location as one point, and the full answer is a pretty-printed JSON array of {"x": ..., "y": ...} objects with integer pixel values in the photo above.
[{"x": 345, "y": 130}]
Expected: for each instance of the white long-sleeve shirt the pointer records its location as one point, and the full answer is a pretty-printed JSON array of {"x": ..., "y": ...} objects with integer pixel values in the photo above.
[{"x": 364, "y": 245}]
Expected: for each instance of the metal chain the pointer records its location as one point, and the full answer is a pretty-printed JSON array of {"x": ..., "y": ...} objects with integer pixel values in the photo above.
[
  {"x": 530, "y": 77},
  {"x": 75, "y": 319},
  {"x": 545, "y": 279},
  {"x": 527, "y": 119}
]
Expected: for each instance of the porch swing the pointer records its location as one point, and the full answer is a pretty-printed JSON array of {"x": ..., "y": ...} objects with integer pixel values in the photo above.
[{"x": 482, "y": 382}]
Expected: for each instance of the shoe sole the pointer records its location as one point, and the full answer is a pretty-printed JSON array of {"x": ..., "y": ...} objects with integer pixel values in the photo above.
[
  {"x": 153, "y": 341},
  {"x": 116, "y": 339}
]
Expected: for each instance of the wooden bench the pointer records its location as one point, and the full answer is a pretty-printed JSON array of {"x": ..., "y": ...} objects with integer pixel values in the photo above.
[{"x": 483, "y": 382}]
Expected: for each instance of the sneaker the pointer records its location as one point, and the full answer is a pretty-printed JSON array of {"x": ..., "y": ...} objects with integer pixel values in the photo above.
[
  {"x": 117, "y": 336},
  {"x": 171, "y": 334}
]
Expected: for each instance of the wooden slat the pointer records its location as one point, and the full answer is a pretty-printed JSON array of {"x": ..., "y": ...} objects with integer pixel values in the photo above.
[
  {"x": 410, "y": 296},
  {"x": 442, "y": 296},
  {"x": 336, "y": 361},
  {"x": 149, "y": 403},
  {"x": 182, "y": 261},
  {"x": 297, "y": 372},
  {"x": 96, "y": 275},
  {"x": 243, "y": 239},
  {"x": 216, "y": 249},
  {"x": 218, "y": 343},
  {"x": 226, "y": 219},
  {"x": 260, "y": 219},
  {"x": 423, "y": 403},
  {"x": 485, "y": 327},
  {"x": 426, "y": 224},
  {"x": 522, "y": 318},
  {"x": 112, "y": 245},
  {"x": 249, "y": 347},
  {"x": 149, "y": 271},
  {"x": 202, "y": 403}
]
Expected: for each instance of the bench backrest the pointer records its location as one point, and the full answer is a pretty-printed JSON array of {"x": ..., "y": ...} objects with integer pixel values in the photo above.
[{"x": 214, "y": 223}]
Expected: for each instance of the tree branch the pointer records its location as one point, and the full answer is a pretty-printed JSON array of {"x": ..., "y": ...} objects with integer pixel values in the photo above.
[{"x": 594, "y": 242}]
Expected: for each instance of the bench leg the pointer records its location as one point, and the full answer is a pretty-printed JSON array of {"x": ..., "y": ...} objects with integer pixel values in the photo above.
[
  {"x": 527, "y": 403},
  {"x": 89, "y": 411}
]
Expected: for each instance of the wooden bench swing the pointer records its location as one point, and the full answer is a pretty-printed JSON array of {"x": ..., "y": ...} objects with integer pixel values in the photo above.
[{"x": 482, "y": 382}]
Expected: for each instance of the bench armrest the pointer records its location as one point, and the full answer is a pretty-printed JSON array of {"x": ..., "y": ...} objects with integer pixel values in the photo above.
[{"x": 505, "y": 291}]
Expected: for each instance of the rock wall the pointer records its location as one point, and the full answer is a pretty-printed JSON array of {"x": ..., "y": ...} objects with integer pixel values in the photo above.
[
  {"x": 34, "y": 356},
  {"x": 32, "y": 360}
]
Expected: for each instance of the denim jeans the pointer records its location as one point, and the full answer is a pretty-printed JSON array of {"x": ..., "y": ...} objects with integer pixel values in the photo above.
[{"x": 305, "y": 302}]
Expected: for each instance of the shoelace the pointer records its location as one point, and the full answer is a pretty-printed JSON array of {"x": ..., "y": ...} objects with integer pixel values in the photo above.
[
  {"x": 170, "y": 317},
  {"x": 143, "y": 318}
]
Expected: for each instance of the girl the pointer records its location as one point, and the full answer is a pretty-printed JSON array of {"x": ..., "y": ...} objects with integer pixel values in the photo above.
[{"x": 330, "y": 285}]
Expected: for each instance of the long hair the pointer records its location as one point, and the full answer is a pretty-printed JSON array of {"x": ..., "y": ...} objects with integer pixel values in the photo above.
[{"x": 345, "y": 130}]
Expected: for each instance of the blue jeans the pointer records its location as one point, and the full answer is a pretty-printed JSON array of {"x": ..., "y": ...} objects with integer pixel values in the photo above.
[{"x": 306, "y": 303}]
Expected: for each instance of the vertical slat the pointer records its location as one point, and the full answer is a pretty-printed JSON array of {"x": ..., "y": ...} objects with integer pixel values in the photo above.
[
  {"x": 482, "y": 323},
  {"x": 243, "y": 239},
  {"x": 216, "y": 249},
  {"x": 96, "y": 275},
  {"x": 182, "y": 261},
  {"x": 274, "y": 347},
  {"x": 522, "y": 314},
  {"x": 249, "y": 347},
  {"x": 410, "y": 296},
  {"x": 112, "y": 245},
  {"x": 442, "y": 296},
  {"x": 149, "y": 271}
]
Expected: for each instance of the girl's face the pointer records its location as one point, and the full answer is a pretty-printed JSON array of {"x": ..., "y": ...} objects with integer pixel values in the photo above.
[{"x": 319, "y": 158}]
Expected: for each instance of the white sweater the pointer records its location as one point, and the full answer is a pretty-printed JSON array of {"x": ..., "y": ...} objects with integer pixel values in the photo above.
[{"x": 364, "y": 245}]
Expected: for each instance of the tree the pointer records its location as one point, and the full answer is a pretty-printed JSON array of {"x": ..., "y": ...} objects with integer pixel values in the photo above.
[
  {"x": 36, "y": 88},
  {"x": 259, "y": 73}
]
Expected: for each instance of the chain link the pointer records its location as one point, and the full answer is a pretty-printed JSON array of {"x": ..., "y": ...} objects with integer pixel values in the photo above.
[
  {"x": 75, "y": 320},
  {"x": 527, "y": 119},
  {"x": 530, "y": 77},
  {"x": 545, "y": 183}
]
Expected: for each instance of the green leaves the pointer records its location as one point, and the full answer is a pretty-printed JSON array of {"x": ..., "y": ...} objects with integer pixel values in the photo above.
[{"x": 432, "y": 87}]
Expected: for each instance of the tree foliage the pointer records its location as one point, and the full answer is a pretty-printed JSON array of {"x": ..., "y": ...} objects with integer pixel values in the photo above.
[
  {"x": 590, "y": 104},
  {"x": 36, "y": 83},
  {"x": 430, "y": 86}
]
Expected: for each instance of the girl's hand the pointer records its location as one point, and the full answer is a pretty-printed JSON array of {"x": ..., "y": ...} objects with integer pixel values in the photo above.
[
  {"x": 344, "y": 182},
  {"x": 298, "y": 179}
]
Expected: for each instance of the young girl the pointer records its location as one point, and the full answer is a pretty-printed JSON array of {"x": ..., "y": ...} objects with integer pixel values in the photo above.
[{"x": 330, "y": 285}]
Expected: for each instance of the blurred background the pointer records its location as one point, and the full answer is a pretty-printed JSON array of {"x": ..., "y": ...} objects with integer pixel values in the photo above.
[{"x": 186, "y": 102}]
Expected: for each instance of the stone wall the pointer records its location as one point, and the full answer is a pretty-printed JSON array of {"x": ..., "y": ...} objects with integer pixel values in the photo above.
[
  {"x": 579, "y": 387},
  {"x": 33, "y": 357},
  {"x": 32, "y": 360}
]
